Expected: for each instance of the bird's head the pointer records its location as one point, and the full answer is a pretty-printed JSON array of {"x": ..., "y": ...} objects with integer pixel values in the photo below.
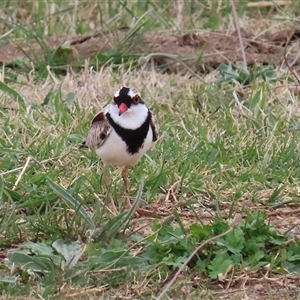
[{"x": 127, "y": 100}]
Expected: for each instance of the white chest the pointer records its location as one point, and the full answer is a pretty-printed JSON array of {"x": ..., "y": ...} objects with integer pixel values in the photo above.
[{"x": 114, "y": 150}]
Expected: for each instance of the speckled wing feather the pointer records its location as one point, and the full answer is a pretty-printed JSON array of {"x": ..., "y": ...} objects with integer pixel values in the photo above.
[
  {"x": 154, "y": 127},
  {"x": 99, "y": 131}
]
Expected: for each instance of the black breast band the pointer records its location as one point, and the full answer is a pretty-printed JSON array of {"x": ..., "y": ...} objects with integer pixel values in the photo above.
[{"x": 134, "y": 138}]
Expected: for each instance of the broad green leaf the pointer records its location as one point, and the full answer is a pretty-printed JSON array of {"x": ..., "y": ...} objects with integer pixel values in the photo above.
[
  {"x": 70, "y": 99},
  {"x": 31, "y": 263},
  {"x": 71, "y": 251},
  {"x": 233, "y": 241},
  {"x": 39, "y": 254},
  {"x": 291, "y": 267},
  {"x": 200, "y": 232},
  {"x": 38, "y": 248},
  {"x": 219, "y": 265}
]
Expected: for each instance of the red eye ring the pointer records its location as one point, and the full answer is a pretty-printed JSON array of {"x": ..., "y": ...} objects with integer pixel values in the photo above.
[{"x": 136, "y": 99}]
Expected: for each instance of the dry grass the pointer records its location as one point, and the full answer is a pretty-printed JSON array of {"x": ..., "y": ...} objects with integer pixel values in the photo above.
[{"x": 95, "y": 88}]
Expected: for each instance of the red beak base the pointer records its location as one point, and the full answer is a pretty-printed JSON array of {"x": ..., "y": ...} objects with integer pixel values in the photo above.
[{"x": 122, "y": 108}]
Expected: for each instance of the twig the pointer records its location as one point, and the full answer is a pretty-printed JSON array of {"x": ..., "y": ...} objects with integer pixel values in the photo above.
[
  {"x": 286, "y": 61},
  {"x": 6, "y": 34},
  {"x": 20, "y": 168},
  {"x": 237, "y": 25},
  {"x": 157, "y": 214},
  {"x": 22, "y": 172},
  {"x": 170, "y": 190},
  {"x": 284, "y": 212},
  {"x": 179, "y": 271},
  {"x": 269, "y": 4},
  {"x": 48, "y": 68},
  {"x": 88, "y": 291}
]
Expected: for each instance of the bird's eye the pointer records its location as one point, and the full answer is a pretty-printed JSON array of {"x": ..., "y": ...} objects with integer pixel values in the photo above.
[{"x": 136, "y": 99}]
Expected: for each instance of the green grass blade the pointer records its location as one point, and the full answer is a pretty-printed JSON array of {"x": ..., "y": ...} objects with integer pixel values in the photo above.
[
  {"x": 13, "y": 93},
  {"x": 120, "y": 222},
  {"x": 71, "y": 201},
  {"x": 1, "y": 187},
  {"x": 135, "y": 204}
]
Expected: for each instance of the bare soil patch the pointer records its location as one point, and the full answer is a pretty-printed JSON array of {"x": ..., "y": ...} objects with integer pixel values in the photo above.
[{"x": 201, "y": 51}]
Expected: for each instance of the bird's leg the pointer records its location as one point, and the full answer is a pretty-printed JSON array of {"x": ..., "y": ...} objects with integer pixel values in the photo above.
[
  {"x": 125, "y": 179},
  {"x": 106, "y": 182}
]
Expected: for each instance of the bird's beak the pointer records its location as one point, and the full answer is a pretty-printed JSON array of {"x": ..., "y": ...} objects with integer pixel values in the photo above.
[{"x": 122, "y": 108}]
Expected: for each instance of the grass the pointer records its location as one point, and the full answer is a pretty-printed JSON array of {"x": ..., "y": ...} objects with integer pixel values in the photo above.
[{"x": 227, "y": 159}]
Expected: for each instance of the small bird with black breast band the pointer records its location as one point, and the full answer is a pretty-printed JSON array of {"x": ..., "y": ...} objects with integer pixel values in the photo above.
[{"x": 121, "y": 134}]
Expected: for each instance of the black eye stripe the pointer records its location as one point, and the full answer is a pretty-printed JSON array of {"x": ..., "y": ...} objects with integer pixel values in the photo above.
[{"x": 128, "y": 97}]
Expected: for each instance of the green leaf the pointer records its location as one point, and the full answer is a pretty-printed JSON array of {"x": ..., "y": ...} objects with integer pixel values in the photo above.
[
  {"x": 255, "y": 99},
  {"x": 11, "y": 195},
  {"x": 71, "y": 251},
  {"x": 70, "y": 99},
  {"x": 39, "y": 254},
  {"x": 31, "y": 263},
  {"x": 291, "y": 267},
  {"x": 38, "y": 248},
  {"x": 47, "y": 98},
  {"x": 219, "y": 265},
  {"x": 256, "y": 257},
  {"x": 200, "y": 232},
  {"x": 233, "y": 241},
  {"x": 71, "y": 201}
]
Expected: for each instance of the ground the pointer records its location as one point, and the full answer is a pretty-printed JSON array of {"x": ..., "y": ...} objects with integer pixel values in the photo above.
[{"x": 201, "y": 50}]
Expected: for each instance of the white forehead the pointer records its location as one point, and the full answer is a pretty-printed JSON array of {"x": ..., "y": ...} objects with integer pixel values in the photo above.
[{"x": 131, "y": 92}]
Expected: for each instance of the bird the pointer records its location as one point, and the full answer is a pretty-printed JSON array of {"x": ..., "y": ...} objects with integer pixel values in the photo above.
[{"x": 121, "y": 134}]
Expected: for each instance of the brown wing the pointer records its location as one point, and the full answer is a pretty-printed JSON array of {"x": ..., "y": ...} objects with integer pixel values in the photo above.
[
  {"x": 98, "y": 133},
  {"x": 154, "y": 127}
]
